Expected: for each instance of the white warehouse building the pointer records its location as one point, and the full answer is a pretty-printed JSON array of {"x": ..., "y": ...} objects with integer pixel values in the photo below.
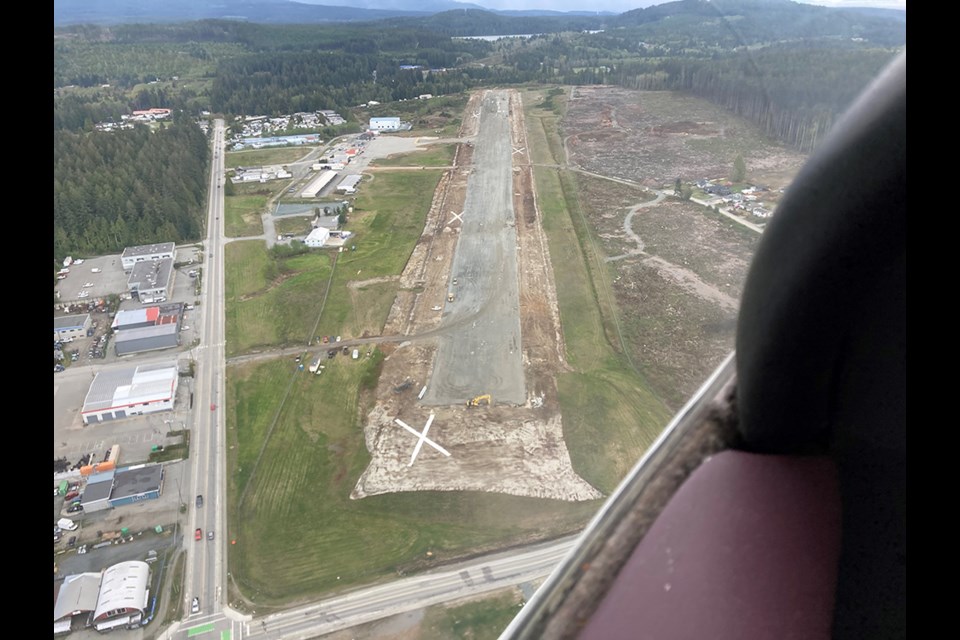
[
  {"x": 146, "y": 252},
  {"x": 124, "y": 593},
  {"x": 318, "y": 237},
  {"x": 318, "y": 184},
  {"x": 349, "y": 183},
  {"x": 116, "y": 394},
  {"x": 385, "y": 124}
]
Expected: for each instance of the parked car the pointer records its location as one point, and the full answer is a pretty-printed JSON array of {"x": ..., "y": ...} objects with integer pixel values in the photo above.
[
  {"x": 70, "y": 496},
  {"x": 75, "y": 508},
  {"x": 198, "y": 534},
  {"x": 72, "y": 541},
  {"x": 195, "y": 606}
]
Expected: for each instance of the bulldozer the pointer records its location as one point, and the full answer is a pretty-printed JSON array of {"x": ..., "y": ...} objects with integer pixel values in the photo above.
[{"x": 476, "y": 402}]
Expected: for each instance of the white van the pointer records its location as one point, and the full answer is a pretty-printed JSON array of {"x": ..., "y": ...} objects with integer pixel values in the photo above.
[
  {"x": 356, "y": 354},
  {"x": 67, "y": 524}
]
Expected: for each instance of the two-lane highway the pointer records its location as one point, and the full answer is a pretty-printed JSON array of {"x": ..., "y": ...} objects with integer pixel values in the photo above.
[{"x": 205, "y": 557}]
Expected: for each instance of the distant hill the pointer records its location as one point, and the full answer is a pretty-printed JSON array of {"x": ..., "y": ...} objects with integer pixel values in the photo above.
[
  {"x": 748, "y": 22},
  {"x": 105, "y": 12},
  {"x": 69, "y": 12}
]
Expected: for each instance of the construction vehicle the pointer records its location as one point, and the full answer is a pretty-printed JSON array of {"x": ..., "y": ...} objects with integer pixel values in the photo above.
[{"x": 476, "y": 402}]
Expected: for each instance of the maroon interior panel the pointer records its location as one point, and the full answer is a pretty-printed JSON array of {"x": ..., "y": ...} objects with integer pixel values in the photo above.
[{"x": 746, "y": 549}]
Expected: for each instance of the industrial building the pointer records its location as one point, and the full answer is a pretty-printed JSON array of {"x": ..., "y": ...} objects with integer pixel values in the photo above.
[
  {"x": 385, "y": 124},
  {"x": 318, "y": 184},
  {"x": 96, "y": 495},
  {"x": 117, "y": 597},
  {"x": 120, "y": 487},
  {"x": 77, "y": 595},
  {"x": 123, "y": 595},
  {"x": 147, "y": 329},
  {"x": 69, "y": 327},
  {"x": 349, "y": 183},
  {"x": 147, "y": 316},
  {"x": 151, "y": 281},
  {"x": 318, "y": 237},
  {"x": 137, "y": 483},
  {"x": 120, "y": 393},
  {"x": 142, "y": 339},
  {"x": 146, "y": 253}
]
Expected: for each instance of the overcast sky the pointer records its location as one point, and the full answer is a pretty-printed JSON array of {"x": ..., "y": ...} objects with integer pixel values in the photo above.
[{"x": 619, "y": 6}]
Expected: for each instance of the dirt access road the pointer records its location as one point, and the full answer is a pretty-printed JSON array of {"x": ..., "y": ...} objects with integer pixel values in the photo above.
[{"x": 500, "y": 335}]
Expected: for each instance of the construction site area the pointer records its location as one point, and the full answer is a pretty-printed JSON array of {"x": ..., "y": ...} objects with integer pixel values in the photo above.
[{"x": 475, "y": 385}]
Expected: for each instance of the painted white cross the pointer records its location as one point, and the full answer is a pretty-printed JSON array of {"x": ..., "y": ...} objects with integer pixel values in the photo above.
[
  {"x": 456, "y": 216},
  {"x": 520, "y": 150},
  {"x": 421, "y": 438}
]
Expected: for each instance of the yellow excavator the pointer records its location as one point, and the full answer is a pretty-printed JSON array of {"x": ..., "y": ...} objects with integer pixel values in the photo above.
[{"x": 476, "y": 402}]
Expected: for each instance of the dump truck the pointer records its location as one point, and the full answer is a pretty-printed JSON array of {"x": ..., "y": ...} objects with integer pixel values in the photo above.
[{"x": 477, "y": 401}]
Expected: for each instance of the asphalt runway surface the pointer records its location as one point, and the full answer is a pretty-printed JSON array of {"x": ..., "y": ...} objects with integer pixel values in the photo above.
[{"x": 481, "y": 354}]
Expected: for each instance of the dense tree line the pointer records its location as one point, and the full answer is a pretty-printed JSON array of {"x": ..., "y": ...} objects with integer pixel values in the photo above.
[
  {"x": 284, "y": 82},
  {"x": 127, "y": 187}
]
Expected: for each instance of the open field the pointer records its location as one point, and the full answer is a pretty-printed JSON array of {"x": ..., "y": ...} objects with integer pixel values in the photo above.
[
  {"x": 610, "y": 413},
  {"x": 435, "y": 155},
  {"x": 654, "y": 137},
  {"x": 387, "y": 219},
  {"x": 673, "y": 269},
  {"x": 242, "y": 214},
  {"x": 271, "y": 302},
  {"x": 261, "y": 157},
  {"x": 294, "y": 445}
]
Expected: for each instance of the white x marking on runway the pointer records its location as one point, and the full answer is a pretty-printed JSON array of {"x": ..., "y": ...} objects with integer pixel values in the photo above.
[
  {"x": 421, "y": 438},
  {"x": 456, "y": 216}
]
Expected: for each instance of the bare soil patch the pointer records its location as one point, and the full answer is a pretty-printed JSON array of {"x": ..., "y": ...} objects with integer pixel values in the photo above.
[
  {"x": 677, "y": 268},
  {"x": 654, "y": 137}
]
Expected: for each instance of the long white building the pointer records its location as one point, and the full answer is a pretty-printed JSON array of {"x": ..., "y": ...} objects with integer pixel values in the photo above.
[
  {"x": 119, "y": 393},
  {"x": 146, "y": 253},
  {"x": 318, "y": 184}
]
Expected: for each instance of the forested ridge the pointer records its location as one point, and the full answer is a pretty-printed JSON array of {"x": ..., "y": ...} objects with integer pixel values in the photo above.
[{"x": 790, "y": 68}]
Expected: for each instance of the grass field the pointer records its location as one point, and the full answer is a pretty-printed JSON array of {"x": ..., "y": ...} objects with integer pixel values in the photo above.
[
  {"x": 260, "y": 157},
  {"x": 242, "y": 215},
  {"x": 478, "y": 620},
  {"x": 388, "y": 218},
  {"x": 610, "y": 414},
  {"x": 272, "y": 301},
  {"x": 434, "y": 155},
  {"x": 297, "y": 448}
]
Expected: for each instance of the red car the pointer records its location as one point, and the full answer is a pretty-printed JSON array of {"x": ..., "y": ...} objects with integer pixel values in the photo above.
[
  {"x": 198, "y": 534},
  {"x": 213, "y": 407}
]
